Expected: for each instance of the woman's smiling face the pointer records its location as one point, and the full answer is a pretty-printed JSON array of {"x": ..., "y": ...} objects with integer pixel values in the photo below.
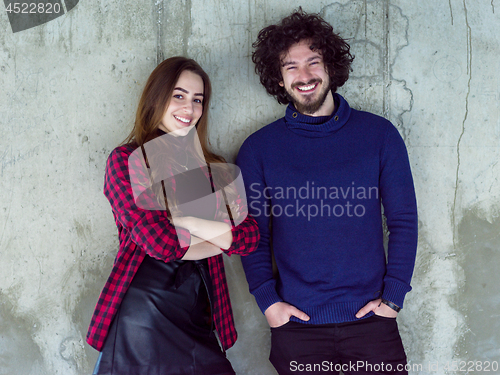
[{"x": 186, "y": 105}]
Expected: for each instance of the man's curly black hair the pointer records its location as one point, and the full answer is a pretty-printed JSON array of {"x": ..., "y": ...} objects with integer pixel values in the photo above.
[{"x": 275, "y": 40}]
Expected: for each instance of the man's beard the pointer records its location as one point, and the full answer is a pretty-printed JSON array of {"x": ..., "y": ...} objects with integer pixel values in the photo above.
[{"x": 310, "y": 107}]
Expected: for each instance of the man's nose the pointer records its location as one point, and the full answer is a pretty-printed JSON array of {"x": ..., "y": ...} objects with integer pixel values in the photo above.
[{"x": 305, "y": 74}]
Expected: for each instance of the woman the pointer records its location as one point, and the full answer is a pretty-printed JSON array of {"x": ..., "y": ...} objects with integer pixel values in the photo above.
[{"x": 167, "y": 290}]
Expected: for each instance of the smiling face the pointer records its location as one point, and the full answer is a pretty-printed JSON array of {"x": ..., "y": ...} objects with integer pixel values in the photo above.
[
  {"x": 306, "y": 80},
  {"x": 186, "y": 105}
]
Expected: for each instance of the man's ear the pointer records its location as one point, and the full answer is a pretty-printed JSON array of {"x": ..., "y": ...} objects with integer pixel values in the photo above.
[{"x": 281, "y": 84}]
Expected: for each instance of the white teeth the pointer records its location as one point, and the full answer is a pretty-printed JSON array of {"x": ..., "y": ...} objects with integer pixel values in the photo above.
[
  {"x": 306, "y": 88},
  {"x": 184, "y": 120}
]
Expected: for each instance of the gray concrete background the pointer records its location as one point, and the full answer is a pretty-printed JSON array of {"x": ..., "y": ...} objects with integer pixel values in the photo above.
[{"x": 69, "y": 90}]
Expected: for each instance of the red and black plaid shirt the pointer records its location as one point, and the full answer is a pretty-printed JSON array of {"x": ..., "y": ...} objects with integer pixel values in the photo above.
[{"x": 149, "y": 232}]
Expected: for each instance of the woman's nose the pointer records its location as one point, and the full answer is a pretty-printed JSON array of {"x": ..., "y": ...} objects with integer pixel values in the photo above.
[{"x": 188, "y": 107}]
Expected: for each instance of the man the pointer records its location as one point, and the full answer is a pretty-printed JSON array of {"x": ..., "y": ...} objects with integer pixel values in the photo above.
[{"x": 315, "y": 182}]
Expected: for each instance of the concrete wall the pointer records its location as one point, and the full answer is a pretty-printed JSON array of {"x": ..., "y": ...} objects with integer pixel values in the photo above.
[{"x": 69, "y": 91}]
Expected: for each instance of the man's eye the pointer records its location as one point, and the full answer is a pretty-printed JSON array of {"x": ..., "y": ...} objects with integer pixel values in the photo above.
[{"x": 290, "y": 68}]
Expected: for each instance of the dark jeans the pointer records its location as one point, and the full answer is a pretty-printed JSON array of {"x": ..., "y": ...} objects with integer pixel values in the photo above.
[{"x": 364, "y": 347}]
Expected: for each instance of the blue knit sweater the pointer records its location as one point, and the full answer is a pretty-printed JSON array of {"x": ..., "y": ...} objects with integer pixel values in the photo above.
[{"x": 321, "y": 181}]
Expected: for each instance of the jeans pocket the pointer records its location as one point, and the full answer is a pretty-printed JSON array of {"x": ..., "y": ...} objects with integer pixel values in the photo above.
[
  {"x": 282, "y": 326},
  {"x": 387, "y": 318}
]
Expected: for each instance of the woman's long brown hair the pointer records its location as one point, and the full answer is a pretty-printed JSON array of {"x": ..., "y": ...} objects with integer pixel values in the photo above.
[
  {"x": 152, "y": 106},
  {"x": 156, "y": 98}
]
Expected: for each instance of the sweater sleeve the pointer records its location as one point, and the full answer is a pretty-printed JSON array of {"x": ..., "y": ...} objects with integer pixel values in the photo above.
[
  {"x": 258, "y": 265},
  {"x": 149, "y": 228},
  {"x": 400, "y": 208}
]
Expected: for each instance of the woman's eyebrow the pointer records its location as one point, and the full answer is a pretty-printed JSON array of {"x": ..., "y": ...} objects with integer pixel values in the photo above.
[{"x": 187, "y": 92}]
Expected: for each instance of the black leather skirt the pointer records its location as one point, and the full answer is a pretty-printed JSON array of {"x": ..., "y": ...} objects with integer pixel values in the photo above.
[{"x": 163, "y": 325}]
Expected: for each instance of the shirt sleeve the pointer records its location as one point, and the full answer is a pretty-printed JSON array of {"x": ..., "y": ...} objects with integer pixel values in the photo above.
[
  {"x": 245, "y": 237},
  {"x": 258, "y": 265},
  {"x": 400, "y": 208},
  {"x": 150, "y": 229}
]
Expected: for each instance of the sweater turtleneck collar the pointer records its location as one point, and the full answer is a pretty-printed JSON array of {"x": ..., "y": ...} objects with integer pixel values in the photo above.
[{"x": 320, "y": 126}]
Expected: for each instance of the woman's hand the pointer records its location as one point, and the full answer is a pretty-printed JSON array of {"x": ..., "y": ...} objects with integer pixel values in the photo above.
[
  {"x": 235, "y": 209},
  {"x": 200, "y": 249},
  {"x": 183, "y": 222},
  {"x": 215, "y": 232}
]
